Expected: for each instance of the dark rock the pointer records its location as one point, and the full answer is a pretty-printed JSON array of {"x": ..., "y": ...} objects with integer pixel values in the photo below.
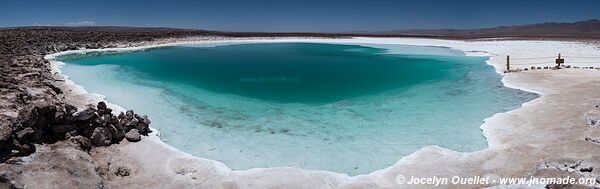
[
  {"x": 134, "y": 121},
  {"x": 121, "y": 115},
  {"x": 103, "y": 109},
  {"x": 6, "y": 152},
  {"x": 130, "y": 123},
  {"x": 101, "y": 106},
  {"x": 101, "y": 137},
  {"x": 55, "y": 89},
  {"x": 15, "y": 185},
  {"x": 123, "y": 171},
  {"x": 61, "y": 128},
  {"x": 46, "y": 109},
  {"x": 28, "y": 116},
  {"x": 86, "y": 114},
  {"x": 129, "y": 114},
  {"x": 586, "y": 169},
  {"x": 133, "y": 136},
  {"x": 61, "y": 113},
  {"x": 102, "y": 121},
  {"x": 84, "y": 143},
  {"x": 144, "y": 126},
  {"x": 70, "y": 109},
  {"x": 25, "y": 135},
  {"x": 5, "y": 176},
  {"x": 22, "y": 149},
  {"x": 85, "y": 129},
  {"x": 115, "y": 122},
  {"x": 118, "y": 134}
]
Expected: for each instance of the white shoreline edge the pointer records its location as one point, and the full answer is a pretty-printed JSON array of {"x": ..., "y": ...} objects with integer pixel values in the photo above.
[{"x": 56, "y": 65}]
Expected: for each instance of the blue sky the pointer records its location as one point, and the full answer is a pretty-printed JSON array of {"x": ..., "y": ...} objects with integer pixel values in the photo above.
[{"x": 296, "y": 15}]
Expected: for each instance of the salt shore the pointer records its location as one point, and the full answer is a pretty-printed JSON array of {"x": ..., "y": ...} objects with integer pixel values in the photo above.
[{"x": 551, "y": 128}]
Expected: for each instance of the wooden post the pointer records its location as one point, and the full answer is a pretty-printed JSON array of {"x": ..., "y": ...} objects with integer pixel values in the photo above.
[
  {"x": 559, "y": 61},
  {"x": 507, "y": 63}
]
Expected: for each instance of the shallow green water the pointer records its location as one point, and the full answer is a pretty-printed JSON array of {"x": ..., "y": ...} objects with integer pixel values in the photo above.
[{"x": 345, "y": 108}]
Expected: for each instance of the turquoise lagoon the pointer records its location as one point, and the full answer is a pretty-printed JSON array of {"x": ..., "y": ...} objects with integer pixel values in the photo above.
[{"x": 339, "y": 107}]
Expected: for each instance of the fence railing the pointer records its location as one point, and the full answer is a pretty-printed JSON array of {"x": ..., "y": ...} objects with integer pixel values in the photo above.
[{"x": 558, "y": 61}]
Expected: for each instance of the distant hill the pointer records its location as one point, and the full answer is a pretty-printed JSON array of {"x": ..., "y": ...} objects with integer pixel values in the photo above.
[
  {"x": 582, "y": 29},
  {"x": 588, "y": 28}
]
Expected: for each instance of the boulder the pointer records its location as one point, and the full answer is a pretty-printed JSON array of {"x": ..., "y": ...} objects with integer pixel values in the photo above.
[
  {"x": 118, "y": 134},
  {"x": 103, "y": 109},
  {"x": 22, "y": 149},
  {"x": 114, "y": 120},
  {"x": 129, "y": 114},
  {"x": 61, "y": 113},
  {"x": 46, "y": 109},
  {"x": 102, "y": 121},
  {"x": 25, "y": 135},
  {"x": 28, "y": 116},
  {"x": 86, "y": 114},
  {"x": 130, "y": 123},
  {"x": 84, "y": 143},
  {"x": 133, "y": 135},
  {"x": 70, "y": 109},
  {"x": 61, "y": 128},
  {"x": 121, "y": 116},
  {"x": 101, "y": 106},
  {"x": 144, "y": 125},
  {"x": 123, "y": 171},
  {"x": 101, "y": 137}
]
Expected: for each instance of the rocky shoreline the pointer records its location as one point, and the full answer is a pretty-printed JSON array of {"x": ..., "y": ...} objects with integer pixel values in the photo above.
[
  {"x": 33, "y": 108},
  {"x": 50, "y": 123}
]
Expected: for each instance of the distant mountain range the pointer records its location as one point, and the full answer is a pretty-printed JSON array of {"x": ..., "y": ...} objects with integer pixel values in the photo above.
[
  {"x": 588, "y": 28},
  {"x": 582, "y": 29}
]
